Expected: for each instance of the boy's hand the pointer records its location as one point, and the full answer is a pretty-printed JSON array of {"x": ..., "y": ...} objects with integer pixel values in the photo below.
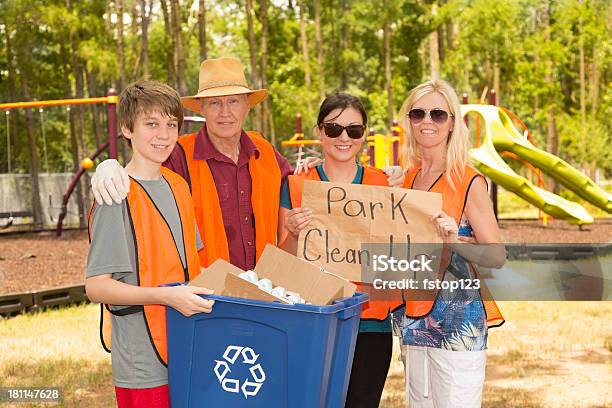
[
  {"x": 110, "y": 183},
  {"x": 395, "y": 175},
  {"x": 185, "y": 299}
]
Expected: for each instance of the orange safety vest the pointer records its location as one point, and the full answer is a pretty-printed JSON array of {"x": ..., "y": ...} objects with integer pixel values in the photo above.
[
  {"x": 157, "y": 256},
  {"x": 265, "y": 195},
  {"x": 419, "y": 302},
  {"x": 375, "y": 308}
]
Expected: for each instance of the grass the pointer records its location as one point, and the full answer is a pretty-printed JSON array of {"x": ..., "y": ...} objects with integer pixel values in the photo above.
[
  {"x": 57, "y": 348},
  {"x": 548, "y": 354}
]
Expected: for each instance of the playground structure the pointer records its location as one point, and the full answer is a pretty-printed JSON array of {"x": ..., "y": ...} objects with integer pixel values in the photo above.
[
  {"x": 500, "y": 137},
  {"x": 87, "y": 163}
]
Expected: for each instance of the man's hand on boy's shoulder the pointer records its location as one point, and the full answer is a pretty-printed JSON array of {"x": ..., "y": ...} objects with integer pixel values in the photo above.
[{"x": 110, "y": 183}]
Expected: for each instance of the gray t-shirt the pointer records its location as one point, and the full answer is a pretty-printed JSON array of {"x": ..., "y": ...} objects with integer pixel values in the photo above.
[{"x": 112, "y": 251}]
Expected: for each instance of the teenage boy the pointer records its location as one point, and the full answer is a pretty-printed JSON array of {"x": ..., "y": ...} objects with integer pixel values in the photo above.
[{"x": 150, "y": 239}]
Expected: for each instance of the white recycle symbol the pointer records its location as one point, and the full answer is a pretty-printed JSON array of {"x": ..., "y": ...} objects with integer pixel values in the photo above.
[{"x": 222, "y": 368}]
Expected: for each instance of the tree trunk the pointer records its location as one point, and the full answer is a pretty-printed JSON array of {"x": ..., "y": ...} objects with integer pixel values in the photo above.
[
  {"x": 344, "y": 45},
  {"x": 253, "y": 56},
  {"x": 179, "y": 55},
  {"x": 14, "y": 145},
  {"x": 434, "y": 62},
  {"x": 252, "y": 44},
  {"x": 267, "y": 114},
  {"x": 450, "y": 37},
  {"x": 496, "y": 80},
  {"x": 79, "y": 83},
  {"x": 109, "y": 24},
  {"x": 388, "y": 79},
  {"x": 135, "y": 56},
  {"x": 95, "y": 110},
  {"x": 305, "y": 53},
  {"x": 422, "y": 52},
  {"x": 552, "y": 139},
  {"x": 582, "y": 76},
  {"x": 444, "y": 37},
  {"x": 594, "y": 87},
  {"x": 441, "y": 43},
  {"x": 36, "y": 203},
  {"x": 202, "y": 30},
  {"x": 144, "y": 39},
  {"x": 536, "y": 60},
  {"x": 592, "y": 165},
  {"x": 120, "y": 45},
  {"x": 169, "y": 50},
  {"x": 319, "y": 44},
  {"x": 79, "y": 125}
]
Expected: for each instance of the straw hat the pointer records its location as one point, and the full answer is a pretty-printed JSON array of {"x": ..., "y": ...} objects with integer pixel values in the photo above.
[{"x": 222, "y": 77}]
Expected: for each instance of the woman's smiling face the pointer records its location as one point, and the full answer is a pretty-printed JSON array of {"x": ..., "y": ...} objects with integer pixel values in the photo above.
[
  {"x": 428, "y": 133},
  {"x": 341, "y": 148}
]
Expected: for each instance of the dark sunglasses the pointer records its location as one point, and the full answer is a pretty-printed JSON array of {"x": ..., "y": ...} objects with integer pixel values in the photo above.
[
  {"x": 334, "y": 130},
  {"x": 438, "y": 116}
]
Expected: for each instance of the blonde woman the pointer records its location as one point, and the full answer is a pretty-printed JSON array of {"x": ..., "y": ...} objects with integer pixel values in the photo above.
[{"x": 447, "y": 335}]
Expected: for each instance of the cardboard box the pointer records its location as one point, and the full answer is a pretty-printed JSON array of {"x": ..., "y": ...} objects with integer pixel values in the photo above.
[{"x": 314, "y": 285}]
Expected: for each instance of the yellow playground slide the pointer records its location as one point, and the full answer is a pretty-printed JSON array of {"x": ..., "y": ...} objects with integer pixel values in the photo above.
[{"x": 501, "y": 135}]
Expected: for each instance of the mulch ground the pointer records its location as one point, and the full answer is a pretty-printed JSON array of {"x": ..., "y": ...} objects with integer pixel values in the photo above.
[
  {"x": 558, "y": 231},
  {"x": 38, "y": 261}
]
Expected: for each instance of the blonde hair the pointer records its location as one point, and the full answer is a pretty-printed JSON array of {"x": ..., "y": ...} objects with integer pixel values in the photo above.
[{"x": 458, "y": 143}]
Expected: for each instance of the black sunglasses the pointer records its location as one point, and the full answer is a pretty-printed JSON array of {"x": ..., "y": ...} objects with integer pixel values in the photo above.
[
  {"x": 438, "y": 116},
  {"x": 334, "y": 130}
]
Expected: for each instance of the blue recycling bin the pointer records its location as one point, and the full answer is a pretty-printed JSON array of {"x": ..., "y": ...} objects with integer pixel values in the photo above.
[{"x": 250, "y": 353}]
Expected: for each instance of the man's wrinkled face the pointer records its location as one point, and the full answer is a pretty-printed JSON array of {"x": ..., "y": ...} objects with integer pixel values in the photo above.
[{"x": 224, "y": 115}]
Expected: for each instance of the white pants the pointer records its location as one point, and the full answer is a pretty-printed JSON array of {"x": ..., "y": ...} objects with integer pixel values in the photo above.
[{"x": 440, "y": 378}]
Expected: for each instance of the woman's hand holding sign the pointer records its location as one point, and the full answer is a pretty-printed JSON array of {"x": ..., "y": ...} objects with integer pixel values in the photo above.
[
  {"x": 446, "y": 226},
  {"x": 290, "y": 225},
  {"x": 297, "y": 219}
]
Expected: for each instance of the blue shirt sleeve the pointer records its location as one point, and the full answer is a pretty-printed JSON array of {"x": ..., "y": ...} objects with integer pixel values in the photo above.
[{"x": 285, "y": 197}]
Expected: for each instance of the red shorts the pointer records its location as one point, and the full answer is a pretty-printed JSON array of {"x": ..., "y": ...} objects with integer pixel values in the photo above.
[{"x": 156, "y": 397}]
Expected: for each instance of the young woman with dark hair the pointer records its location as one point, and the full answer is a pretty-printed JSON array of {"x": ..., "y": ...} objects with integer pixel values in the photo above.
[{"x": 341, "y": 126}]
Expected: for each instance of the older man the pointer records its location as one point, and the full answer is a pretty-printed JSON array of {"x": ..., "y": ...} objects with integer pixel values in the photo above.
[{"x": 235, "y": 176}]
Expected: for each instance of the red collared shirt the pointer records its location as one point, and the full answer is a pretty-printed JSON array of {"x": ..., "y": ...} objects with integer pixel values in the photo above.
[{"x": 233, "y": 182}]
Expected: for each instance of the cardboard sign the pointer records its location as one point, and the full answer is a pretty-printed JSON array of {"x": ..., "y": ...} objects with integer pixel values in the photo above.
[{"x": 345, "y": 216}]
